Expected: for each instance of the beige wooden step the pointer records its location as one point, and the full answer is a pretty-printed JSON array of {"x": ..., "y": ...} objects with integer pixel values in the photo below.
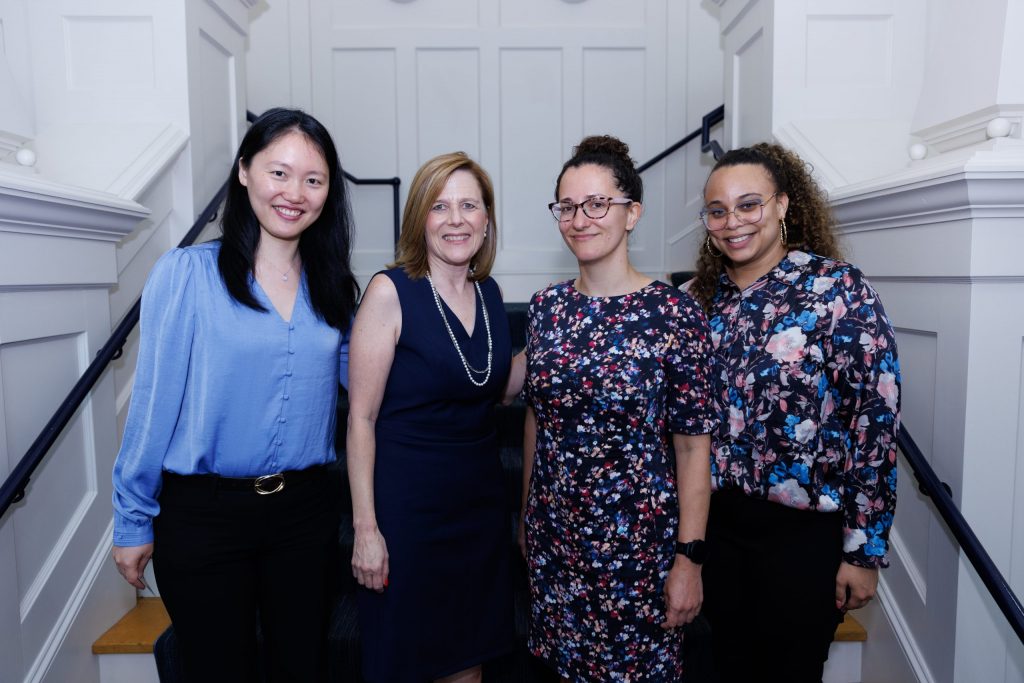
[
  {"x": 850, "y": 631},
  {"x": 136, "y": 631}
]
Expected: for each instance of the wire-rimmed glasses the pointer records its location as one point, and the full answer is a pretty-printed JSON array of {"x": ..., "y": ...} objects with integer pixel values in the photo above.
[
  {"x": 593, "y": 207},
  {"x": 746, "y": 212}
]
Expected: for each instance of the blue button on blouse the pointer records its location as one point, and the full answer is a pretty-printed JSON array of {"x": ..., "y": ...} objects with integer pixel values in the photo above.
[{"x": 221, "y": 388}]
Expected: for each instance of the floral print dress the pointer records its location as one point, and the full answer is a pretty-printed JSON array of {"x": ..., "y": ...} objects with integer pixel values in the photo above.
[
  {"x": 810, "y": 386},
  {"x": 609, "y": 379}
]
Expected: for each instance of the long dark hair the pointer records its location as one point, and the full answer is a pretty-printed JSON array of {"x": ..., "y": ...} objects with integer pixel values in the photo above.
[{"x": 325, "y": 246}]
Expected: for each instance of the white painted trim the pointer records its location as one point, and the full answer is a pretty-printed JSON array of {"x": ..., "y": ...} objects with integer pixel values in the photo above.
[
  {"x": 47, "y": 653},
  {"x": 971, "y": 128},
  {"x": 954, "y": 196},
  {"x": 901, "y": 629},
  {"x": 46, "y": 571},
  {"x": 789, "y": 135},
  {"x": 899, "y": 549},
  {"x": 29, "y": 204},
  {"x": 677, "y": 237},
  {"x": 151, "y": 163}
]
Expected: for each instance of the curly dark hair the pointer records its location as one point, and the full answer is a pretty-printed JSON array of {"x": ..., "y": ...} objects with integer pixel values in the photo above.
[
  {"x": 611, "y": 153},
  {"x": 809, "y": 221}
]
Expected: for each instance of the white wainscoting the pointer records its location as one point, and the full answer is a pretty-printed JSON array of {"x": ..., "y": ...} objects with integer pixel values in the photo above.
[{"x": 515, "y": 84}]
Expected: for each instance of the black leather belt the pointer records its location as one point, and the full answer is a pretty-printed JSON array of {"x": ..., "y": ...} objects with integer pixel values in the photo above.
[{"x": 264, "y": 486}]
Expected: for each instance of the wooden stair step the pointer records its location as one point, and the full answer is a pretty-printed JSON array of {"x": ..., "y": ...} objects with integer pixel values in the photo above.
[
  {"x": 850, "y": 631},
  {"x": 136, "y": 631}
]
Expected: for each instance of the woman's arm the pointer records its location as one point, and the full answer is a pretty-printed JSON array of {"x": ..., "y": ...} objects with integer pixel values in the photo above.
[
  {"x": 371, "y": 351},
  {"x": 167, "y": 324},
  {"x": 529, "y": 447},
  {"x": 684, "y": 592},
  {"x": 516, "y": 375}
]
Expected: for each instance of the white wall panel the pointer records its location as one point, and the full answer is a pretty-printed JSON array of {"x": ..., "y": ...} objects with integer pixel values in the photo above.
[
  {"x": 832, "y": 39},
  {"x": 358, "y": 99},
  {"x": 532, "y": 152},
  {"x": 398, "y": 82},
  {"x": 110, "y": 53},
  {"x": 37, "y": 374},
  {"x": 751, "y": 94},
  {"x": 447, "y": 102},
  {"x": 573, "y": 13},
  {"x": 418, "y": 13},
  {"x": 214, "y": 117}
]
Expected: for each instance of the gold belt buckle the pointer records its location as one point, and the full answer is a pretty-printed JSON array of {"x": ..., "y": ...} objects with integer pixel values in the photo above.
[{"x": 269, "y": 483}]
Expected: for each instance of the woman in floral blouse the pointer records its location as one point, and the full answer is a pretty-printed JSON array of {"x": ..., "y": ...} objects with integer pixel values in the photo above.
[{"x": 804, "y": 461}]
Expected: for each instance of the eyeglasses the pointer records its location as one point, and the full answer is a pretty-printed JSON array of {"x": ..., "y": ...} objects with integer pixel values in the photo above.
[
  {"x": 747, "y": 212},
  {"x": 594, "y": 207}
]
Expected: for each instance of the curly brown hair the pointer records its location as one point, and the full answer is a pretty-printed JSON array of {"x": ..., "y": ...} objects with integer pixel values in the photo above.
[{"x": 809, "y": 221}]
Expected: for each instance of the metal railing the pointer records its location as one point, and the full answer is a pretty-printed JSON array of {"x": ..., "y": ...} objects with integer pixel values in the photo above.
[
  {"x": 940, "y": 493},
  {"x": 713, "y": 117},
  {"x": 13, "y": 488}
]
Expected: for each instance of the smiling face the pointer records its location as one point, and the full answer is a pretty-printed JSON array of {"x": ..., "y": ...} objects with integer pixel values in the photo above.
[
  {"x": 753, "y": 248},
  {"x": 593, "y": 240},
  {"x": 456, "y": 222},
  {"x": 287, "y": 185}
]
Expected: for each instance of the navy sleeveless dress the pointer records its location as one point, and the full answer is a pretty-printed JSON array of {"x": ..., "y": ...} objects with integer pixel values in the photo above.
[{"x": 440, "y": 498}]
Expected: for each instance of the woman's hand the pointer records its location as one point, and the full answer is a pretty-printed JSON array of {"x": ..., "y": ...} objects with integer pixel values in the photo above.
[
  {"x": 684, "y": 593},
  {"x": 370, "y": 560},
  {"x": 855, "y": 586},
  {"x": 131, "y": 562}
]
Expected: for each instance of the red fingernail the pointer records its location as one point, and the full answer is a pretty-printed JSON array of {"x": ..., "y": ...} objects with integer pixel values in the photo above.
[{"x": 385, "y": 583}]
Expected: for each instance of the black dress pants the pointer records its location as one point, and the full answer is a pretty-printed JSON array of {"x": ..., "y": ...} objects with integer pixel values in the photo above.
[
  {"x": 225, "y": 559},
  {"x": 769, "y": 589}
]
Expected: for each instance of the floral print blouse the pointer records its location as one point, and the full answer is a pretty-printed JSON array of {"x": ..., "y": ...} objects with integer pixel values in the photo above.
[{"x": 810, "y": 396}]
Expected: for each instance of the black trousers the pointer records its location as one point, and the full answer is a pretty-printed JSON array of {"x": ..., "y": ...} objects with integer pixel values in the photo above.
[
  {"x": 227, "y": 560},
  {"x": 769, "y": 589}
]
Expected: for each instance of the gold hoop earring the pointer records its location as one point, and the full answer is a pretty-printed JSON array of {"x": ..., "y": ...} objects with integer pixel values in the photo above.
[
  {"x": 783, "y": 233},
  {"x": 710, "y": 248}
]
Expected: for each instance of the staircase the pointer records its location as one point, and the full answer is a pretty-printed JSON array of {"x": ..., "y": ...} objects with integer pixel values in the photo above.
[{"x": 149, "y": 619}]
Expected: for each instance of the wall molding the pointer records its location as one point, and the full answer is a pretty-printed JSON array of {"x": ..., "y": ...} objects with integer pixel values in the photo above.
[
  {"x": 150, "y": 164},
  {"x": 901, "y": 628},
  {"x": 970, "y": 129},
  {"x": 957, "y": 195},
  {"x": 42, "y": 207},
  {"x": 50, "y": 648}
]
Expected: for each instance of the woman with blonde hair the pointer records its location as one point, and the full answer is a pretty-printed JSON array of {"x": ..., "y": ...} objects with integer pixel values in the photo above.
[
  {"x": 430, "y": 358},
  {"x": 804, "y": 461}
]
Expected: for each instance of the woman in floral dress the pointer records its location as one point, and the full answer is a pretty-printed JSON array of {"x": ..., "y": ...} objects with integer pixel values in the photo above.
[
  {"x": 804, "y": 462},
  {"x": 618, "y": 375}
]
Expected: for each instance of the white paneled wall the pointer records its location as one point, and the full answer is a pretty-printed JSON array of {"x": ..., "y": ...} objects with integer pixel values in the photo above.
[
  {"x": 515, "y": 84},
  {"x": 135, "y": 108}
]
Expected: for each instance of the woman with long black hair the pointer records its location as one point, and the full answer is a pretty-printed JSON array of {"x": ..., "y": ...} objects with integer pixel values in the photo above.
[{"x": 221, "y": 477}]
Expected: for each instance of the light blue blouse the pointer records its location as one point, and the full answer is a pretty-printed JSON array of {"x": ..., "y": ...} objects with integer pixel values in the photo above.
[{"x": 221, "y": 388}]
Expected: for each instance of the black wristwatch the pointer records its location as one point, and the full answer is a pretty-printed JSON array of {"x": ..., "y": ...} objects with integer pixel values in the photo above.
[{"x": 695, "y": 551}]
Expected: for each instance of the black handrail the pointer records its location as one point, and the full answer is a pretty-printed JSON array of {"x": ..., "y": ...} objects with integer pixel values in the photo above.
[
  {"x": 713, "y": 117},
  {"x": 13, "y": 488},
  {"x": 938, "y": 491},
  {"x": 395, "y": 184}
]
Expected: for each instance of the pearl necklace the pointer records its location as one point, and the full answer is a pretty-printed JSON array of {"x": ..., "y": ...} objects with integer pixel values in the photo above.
[{"x": 451, "y": 335}]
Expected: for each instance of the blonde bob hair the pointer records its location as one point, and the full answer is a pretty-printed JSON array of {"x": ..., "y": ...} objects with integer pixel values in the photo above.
[{"x": 425, "y": 189}]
